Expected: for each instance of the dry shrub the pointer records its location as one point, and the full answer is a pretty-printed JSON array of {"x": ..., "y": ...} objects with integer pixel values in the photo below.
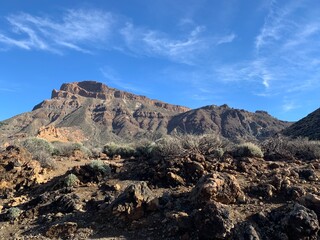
[
  {"x": 68, "y": 149},
  {"x": 34, "y": 145},
  {"x": 41, "y": 150},
  {"x": 285, "y": 148}
]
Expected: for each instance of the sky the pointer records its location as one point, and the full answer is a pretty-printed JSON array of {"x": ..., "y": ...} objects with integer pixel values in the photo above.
[{"x": 252, "y": 55}]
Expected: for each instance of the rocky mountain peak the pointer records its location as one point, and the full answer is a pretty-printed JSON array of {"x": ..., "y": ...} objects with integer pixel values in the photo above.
[
  {"x": 97, "y": 90},
  {"x": 91, "y": 89}
]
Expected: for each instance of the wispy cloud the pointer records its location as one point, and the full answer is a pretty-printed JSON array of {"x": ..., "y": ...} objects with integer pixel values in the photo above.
[
  {"x": 285, "y": 57},
  {"x": 182, "y": 49},
  {"x": 76, "y": 30},
  {"x": 86, "y": 30},
  {"x": 289, "y": 105},
  {"x": 7, "y": 89}
]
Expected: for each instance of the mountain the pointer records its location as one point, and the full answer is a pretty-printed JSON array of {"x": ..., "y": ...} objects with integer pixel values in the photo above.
[
  {"x": 308, "y": 126},
  {"x": 92, "y": 111},
  {"x": 233, "y": 124}
]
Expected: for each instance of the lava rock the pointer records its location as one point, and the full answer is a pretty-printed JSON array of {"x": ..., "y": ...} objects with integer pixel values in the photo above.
[{"x": 219, "y": 187}]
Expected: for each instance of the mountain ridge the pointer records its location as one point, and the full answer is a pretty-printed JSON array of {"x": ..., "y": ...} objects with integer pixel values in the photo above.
[
  {"x": 100, "y": 113},
  {"x": 308, "y": 126}
]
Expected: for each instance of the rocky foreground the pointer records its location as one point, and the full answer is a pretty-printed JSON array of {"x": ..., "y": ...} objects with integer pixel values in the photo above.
[{"x": 186, "y": 196}]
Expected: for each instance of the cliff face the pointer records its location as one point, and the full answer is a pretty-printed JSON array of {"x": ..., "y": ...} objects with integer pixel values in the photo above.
[
  {"x": 92, "y": 89},
  {"x": 92, "y": 111}
]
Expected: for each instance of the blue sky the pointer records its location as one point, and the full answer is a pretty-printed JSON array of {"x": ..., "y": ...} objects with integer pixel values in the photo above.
[{"x": 253, "y": 55}]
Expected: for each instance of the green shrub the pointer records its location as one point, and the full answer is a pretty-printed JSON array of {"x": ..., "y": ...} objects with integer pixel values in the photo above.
[
  {"x": 13, "y": 213},
  {"x": 145, "y": 149},
  {"x": 67, "y": 149},
  {"x": 113, "y": 149},
  {"x": 71, "y": 180},
  {"x": 34, "y": 145},
  {"x": 247, "y": 150},
  {"x": 100, "y": 166},
  {"x": 41, "y": 150}
]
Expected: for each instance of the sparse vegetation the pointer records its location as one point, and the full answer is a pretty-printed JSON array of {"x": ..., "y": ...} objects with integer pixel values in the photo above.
[
  {"x": 34, "y": 145},
  {"x": 284, "y": 148},
  {"x": 41, "y": 151},
  {"x": 247, "y": 150},
  {"x": 71, "y": 180},
  {"x": 145, "y": 148},
  {"x": 100, "y": 166},
  {"x": 68, "y": 149},
  {"x": 218, "y": 153},
  {"x": 124, "y": 150},
  {"x": 45, "y": 159},
  {"x": 13, "y": 213}
]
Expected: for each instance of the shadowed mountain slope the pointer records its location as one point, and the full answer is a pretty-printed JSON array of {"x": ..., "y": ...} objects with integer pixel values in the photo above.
[{"x": 308, "y": 126}]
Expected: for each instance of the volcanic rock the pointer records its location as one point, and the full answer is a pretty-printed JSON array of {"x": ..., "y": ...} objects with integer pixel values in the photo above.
[
  {"x": 134, "y": 202},
  {"x": 213, "y": 222},
  {"x": 219, "y": 187}
]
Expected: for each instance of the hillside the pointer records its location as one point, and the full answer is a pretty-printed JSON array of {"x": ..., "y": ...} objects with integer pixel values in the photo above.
[
  {"x": 233, "y": 124},
  {"x": 308, "y": 126},
  {"x": 91, "y": 111}
]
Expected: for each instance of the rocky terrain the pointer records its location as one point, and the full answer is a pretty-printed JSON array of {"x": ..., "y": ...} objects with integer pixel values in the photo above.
[
  {"x": 208, "y": 173},
  {"x": 187, "y": 195},
  {"x": 90, "y": 111},
  {"x": 308, "y": 126}
]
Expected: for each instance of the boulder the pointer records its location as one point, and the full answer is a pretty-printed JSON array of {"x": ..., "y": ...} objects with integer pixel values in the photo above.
[
  {"x": 213, "y": 222},
  {"x": 134, "y": 202},
  {"x": 312, "y": 202},
  {"x": 219, "y": 187},
  {"x": 64, "y": 230},
  {"x": 301, "y": 223}
]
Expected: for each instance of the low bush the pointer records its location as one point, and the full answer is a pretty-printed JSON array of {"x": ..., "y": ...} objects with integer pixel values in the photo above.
[
  {"x": 247, "y": 150},
  {"x": 68, "y": 149},
  {"x": 145, "y": 148},
  {"x": 41, "y": 150},
  {"x": 34, "y": 145},
  {"x": 124, "y": 150},
  {"x": 71, "y": 180},
  {"x": 285, "y": 148},
  {"x": 100, "y": 166},
  {"x": 13, "y": 213},
  {"x": 218, "y": 153},
  {"x": 45, "y": 159}
]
